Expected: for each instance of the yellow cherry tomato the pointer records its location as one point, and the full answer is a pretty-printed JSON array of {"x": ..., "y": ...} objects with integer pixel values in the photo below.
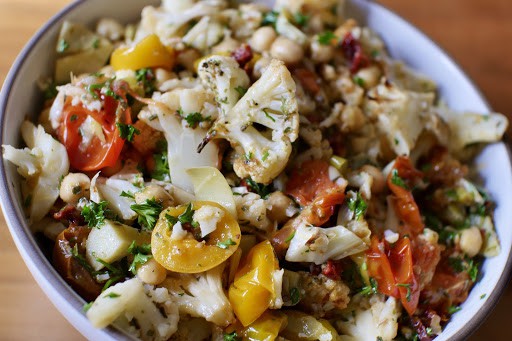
[
  {"x": 253, "y": 290},
  {"x": 189, "y": 255},
  {"x": 266, "y": 327},
  {"x": 149, "y": 52}
]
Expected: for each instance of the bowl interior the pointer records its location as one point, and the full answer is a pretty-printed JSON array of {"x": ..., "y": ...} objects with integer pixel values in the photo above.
[{"x": 36, "y": 61}]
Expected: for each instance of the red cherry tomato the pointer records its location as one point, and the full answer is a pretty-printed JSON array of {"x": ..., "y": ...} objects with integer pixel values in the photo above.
[
  {"x": 392, "y": 268},
  {"x": 97, "y": 154},
  {"x": 405, "y": 206}
]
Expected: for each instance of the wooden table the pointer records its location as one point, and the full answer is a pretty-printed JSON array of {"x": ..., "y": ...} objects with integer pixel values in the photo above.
[{"x": 476, "y": 33}]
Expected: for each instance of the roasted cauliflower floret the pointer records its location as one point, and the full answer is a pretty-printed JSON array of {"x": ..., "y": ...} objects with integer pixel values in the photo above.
[
  {"x": 251, "y": 208},
  {"x": 155, "y": 314},
  {"x": 201, "y": 295},
  {"x": 377, "y": 322},
  {"x": 264, "y": 122},
  {"x": 318, "y": 295}
]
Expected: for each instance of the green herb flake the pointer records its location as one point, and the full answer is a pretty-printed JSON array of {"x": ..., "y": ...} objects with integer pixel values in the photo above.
[
  {"x": 300, "y": 19},
  {"x": 358, "y": 206},
  {"x": 408, "y": 287},
  {"x": 87, "y": 306},
  {"x": 50, "y": 92},
  {"x": 146, "y": 79},
  {"x": 112, "y": 295},
  {"x": 94, "y": 213},
  {"x": 233, "y": 336},
  {"x": 268, "y": 116},
  {"x": 370, "y": 289},
  {"x": 171, "y": 220},
  {"x": 359, "y": 81},
  {"x": 326, "y": 38},
  {"x": 226, "y": 244},
  {"x": 77, "y": 189},
  {"x": 265, "y": 156},
  {"x": 62, "y": 46},
  {"x": 453, "y": 309},
  {"x": 241, "y": 90},
  {"x": 127, "y": 131},
  {"x": 161, "y": 170},
  {"x": 193, "y": 119},
  {"x": 483, "y": 296},
  {"x": 270, "y": 19},
  {"x": 295, "y": 295},
  {"x": 73, "y": 118},
  {"x": 397, "y": 180},
  {"x": 127, "y": 195},
  {"x": 148, "y": 213},
  {"x": 263, "y": 190},
  {"x": 96, "y": 43}
]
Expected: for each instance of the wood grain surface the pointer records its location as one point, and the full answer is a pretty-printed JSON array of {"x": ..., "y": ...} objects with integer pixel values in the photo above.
[{"x": 476, "y": 33}]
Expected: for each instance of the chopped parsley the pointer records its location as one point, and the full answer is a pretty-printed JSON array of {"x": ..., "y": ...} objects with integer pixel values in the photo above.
[
  {"x": 127, "y": 131},
  {"x": 263, "y": 190},
  {"x": 87, "y": 306},
  {"x": 270, "y": 19},
  {"x": 265, "y": 156},
  {"x": 397, "y": 180},
  {"x": 146, "y": 79},
  {"x": 358, "y": 206},
  {"x": 112, "y": 295},
  {"x": 326, "y": 38},
  {"x": 94, "y": 213},
  {"x": 193, "y": 119},
  {"x": 50, "y": 91},
  {"x": 148, "y": 213},
  {"x": 268, "y": 116},
  {"x": 408, "y": 287},
  {"x": 141, "y": 255},
  {"x": 62, "y": 46},
  {"x": 464, "y": 264},
  {"x": 96, "y": 43},
  {"x": 300, "y": 19},
  {"x": 73, "y": 118},
  {"x": 290, "y": 237},
  {"x": 127, "y": 195},
  {"x": 359, "y": 81},
  {"x": 233, "y": 336},
  {"x": 184, "y": 218},
  {"x": 161, "y": 170},
  {"x": 370, "y": 289},
  {"x": 226, "y": 244},
  {"x": 453, "y": 309},
  {"x": 241, "y": 90},
  {"x": 483, "y": 296},
  {"x": 295, "y": 295}
]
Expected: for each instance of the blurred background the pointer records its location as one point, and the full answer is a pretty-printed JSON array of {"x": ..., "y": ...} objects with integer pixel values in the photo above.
[{"x": 476, "y": 33}]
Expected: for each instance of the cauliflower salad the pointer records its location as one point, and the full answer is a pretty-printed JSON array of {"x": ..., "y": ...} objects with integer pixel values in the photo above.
[{"x": 223, "y": 171}]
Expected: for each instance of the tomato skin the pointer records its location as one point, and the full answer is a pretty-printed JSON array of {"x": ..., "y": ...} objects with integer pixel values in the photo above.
[
  {"x": 97, "y": 154},
  {"x": 403, "y": 200},
  {"x": 392, "y": 268},
  {"x": 309, "y": 181}
]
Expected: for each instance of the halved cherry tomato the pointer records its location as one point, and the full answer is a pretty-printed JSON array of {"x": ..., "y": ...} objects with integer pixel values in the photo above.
[
  {"x": 97, "y": 154},
  {"x": 309, "y": 181},
  {"x": 392, "y": 268},
  {"x": 189, "y": 255},
  {"x": 405, "y": 206},
  {"x": 380, "y": 269}
]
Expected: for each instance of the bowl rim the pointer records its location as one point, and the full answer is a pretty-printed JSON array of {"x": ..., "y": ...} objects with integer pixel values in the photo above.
[{"x": 63, "y": 296}]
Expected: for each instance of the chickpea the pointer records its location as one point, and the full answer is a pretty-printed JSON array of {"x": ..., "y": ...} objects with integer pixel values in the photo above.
[
  {"x": 378, "y": 178},
  {"x": 287, "y": 50},
  {"x": 370, "y": 76},
  {"x": 321, "y": 53},
  {"x": 154, "y": 192},
  {"x": 263, "y": 38},
  {"x": 226, "y": 46},
  {"x": 471, "y": 241},
  {"x": 151, "y": 272},
  {"x": 278, "y": 207},
  {"x": 110, "y": 29},
  {"x": 74, "y": 186}
]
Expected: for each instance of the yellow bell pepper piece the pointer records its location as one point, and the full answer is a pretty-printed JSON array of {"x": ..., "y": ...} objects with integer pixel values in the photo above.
[
  {"x": 253, "y": 288},
  {"x": 266, "y": 328},
  {"x": 149, "y": 52}
]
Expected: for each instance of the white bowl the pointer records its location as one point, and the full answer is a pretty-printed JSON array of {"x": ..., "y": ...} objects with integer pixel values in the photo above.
[{"x": 20, "y": 96}]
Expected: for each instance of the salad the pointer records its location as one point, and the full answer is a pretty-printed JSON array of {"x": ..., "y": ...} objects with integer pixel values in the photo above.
[{"x": 223, "y": 171}]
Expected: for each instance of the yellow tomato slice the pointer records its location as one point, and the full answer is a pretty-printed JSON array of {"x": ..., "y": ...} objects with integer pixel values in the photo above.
[
  {"x": 253, "y": 288},
  {"x": 149, "y": 52},
  {"x": 189, "y": 255},
  {"x": 266, "y": 328}
]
